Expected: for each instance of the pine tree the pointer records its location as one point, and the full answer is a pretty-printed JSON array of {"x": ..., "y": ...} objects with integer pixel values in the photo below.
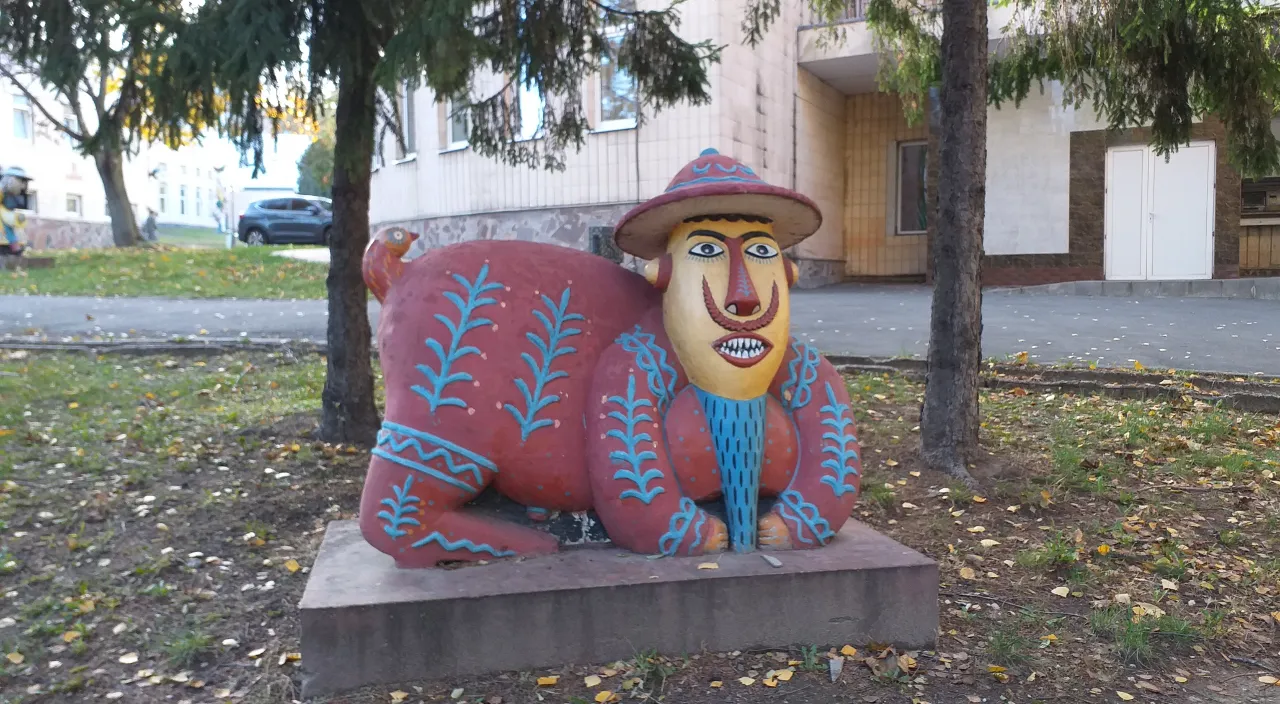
[
  {"x": 95, "y": 57},
  {"x": 1162, "y": 63}
]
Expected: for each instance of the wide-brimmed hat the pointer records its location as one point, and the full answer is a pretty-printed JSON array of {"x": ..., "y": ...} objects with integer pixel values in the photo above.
[{"x": 714, "y": 184}]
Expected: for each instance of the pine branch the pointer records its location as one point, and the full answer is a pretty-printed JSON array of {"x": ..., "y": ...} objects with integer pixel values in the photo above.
[{"x": 6, "y": 72}]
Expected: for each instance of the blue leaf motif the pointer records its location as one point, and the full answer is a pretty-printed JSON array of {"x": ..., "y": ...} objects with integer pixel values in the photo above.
[
  {"x": 550, "y": 348},
  {"x": 840, "y": 444},
  {"x": 402, "y": 507},
  {"x": 632, "y": 457},
  {"x": 438, "y": 379}
]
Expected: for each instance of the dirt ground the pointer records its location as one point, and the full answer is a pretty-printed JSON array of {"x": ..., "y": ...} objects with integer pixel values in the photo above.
[{"x": 158, "y": 517}]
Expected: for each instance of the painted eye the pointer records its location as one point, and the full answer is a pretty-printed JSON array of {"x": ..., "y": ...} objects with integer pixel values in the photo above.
[
  {"x": 761, "y": 250},
  {"x": 707, "y": 250}
]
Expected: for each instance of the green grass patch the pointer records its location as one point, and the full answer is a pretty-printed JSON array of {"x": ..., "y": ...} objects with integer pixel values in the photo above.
[
  {"x": 243, "y": 272},
  {"x": 186, "y": 236}
]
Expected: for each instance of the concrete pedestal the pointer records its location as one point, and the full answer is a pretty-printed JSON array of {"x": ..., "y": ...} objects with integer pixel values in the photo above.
[{"x": 366, "y": 622}]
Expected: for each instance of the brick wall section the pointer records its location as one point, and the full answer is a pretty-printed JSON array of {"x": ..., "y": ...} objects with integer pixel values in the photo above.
[{"x": 1086, "y": 227}]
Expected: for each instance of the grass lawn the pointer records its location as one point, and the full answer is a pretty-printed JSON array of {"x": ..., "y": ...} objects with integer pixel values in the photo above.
[
  {"x": 184, "y": 236},
  {"x": 180, "y": 272},
  {"x": 158, "y": 517}
]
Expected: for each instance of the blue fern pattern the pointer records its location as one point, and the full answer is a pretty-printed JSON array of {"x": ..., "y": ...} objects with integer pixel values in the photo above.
[
  {"x": 464, "y": 544},
  {"x": 838, "y": 442},
  {"x": 669, "y": 543},
  {"x": 550, "y": 349},
  {"x": 401, "y": 509},
  {"x": 438, "y": 380},
  {"x": 633, "y": 457},
  {"x": 652, "y": 359},
  {"x": 802, "y": 371},
  {"x": 395, "y": 438},
  {"x": 795, "y": 510}
]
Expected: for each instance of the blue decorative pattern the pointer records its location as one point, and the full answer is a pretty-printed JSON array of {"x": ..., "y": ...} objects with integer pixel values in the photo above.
[
  {"x": 550, "y": 350},
  {"x": 394, "y": 438},
  {"x": 633, "y": 456},
  {"x": 737, "y": 429},
  {"x": 651, "y": 359},
  {"x": 401, "y": 509},
  {"x": 735, "y": 169},
  {"x": 438, "y": 380},
  {"x": 711, "y": 179},
  {"x": 795, "y": 510},
  {"x": 670, "y": 541},
  {"x": 802, "y": 371},
  {"x": 838, "y": 442},
  {"x": 464, "y": 544}
]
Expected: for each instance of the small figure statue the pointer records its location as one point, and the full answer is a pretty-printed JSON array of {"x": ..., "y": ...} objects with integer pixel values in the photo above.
[
  {"x": 568, "y": 383},
  {"x": 13, "y": 200}
]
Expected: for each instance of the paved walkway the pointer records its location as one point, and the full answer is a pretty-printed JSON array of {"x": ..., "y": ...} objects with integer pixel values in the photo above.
[
  {"x": 320, "y": 255},
  {"x": 1238, "y": 335}
]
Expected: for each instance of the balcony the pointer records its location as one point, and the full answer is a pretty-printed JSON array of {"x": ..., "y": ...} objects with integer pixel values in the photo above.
[{"x": 854, "y": 11}]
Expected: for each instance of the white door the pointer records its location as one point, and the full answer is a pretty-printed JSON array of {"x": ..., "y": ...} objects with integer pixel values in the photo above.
[{"x": 1159, "y": 214}]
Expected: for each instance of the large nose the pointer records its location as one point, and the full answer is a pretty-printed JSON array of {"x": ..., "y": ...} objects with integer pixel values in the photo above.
[{"x": 741, "y": 298}]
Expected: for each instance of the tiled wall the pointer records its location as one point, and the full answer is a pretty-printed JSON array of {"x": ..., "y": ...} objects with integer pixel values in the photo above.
[
  {"x": 1260, "y": 250},
  {"x": 820, "y": 164},
  {"x": 875, "y": 124}
]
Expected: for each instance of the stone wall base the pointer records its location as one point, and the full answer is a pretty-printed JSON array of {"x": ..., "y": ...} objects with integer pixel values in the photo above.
[{"x": 49, "y": 233}]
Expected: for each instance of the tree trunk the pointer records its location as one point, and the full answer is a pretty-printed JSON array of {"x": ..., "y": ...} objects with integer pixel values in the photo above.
[
  {"x": 949, "y": 418},
  {"x": 349, "y": 414},
  {"x": 124, "y": 226}
]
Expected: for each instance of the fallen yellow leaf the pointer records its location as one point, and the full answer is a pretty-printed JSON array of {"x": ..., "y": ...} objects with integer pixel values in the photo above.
[
  {"x": 891, "y": 463},
  {"x": 549, "y": 681},
  {"x": 1179, "y": 679},
  {"x": 995, "y": 668},
  {"x": 1169, "y": 584},
  {"x": 399, "y": 696},
  {"x": 603, "y": 696},
  {"x": 848, "y": 651},
  {"x": 708, "y": 566},
  {"x": 784, "y": 676},
  {"x": 717, "y": 684},
  {"x": 70, "y": 636},
  {"x": 1138, "y": 366},
  {"x": 976, "y": 529},
  {"x": 73, "y": 405},
  {"x": 1060, "y": 591},
  {"x": 1104, "y": 549},
  {"x": 591, "y": 680},
  {"x": 989, "y": 543},
  {"x": 1268, "y": 679},
  {"x": 292, "y": 565},
  {"x": 770, "y": 683},
  {"x": 979, "y": 500},
  {"x": 1050, "y": 638},
  {"x": 746, "y": 681},
  {"x": 16, "y": 658},
  {"x": 967, "y": 573},
  {"x": 128, "y": 658},
  {"x": 1125, "y": 695}
]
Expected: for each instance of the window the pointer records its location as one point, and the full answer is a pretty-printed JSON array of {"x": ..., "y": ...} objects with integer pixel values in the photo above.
[
  {"x": 32, "y": 202},
  {"x": 71, "y": 122},
  {"x": 23, "y": 125},
  {"x": 164, "y": 191},
  {"x": 199, "y": 199},
  {"x": 182, "y": 198},
  {"x": 183, "y": 169},
  {"x": 529, "y": 103},
  {"x": 75, "y": 204},
  {"x": 457, "y": 128},
  {"x": 617, "y": 87},
  {"x": 409, "y": 146},
  {"x": 197, "y": 172},
  {"x": 912, "y": 213}
]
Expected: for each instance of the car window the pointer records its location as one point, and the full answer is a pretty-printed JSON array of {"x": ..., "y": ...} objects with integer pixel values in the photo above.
[
  {"x": 278, "y": 204},
  {"x": 300, "y": 204}
]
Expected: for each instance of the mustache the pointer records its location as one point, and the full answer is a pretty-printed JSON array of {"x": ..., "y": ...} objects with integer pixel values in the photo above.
[{"x": 732, "y": 325}]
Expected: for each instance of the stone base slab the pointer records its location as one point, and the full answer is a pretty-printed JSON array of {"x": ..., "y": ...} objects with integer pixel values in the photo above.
[{"x": 366, "y": 622}]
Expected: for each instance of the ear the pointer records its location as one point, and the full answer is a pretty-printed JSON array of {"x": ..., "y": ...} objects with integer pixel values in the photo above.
[
  {"x": 793, "y": 271},
  {"x": 658, "y": 272}
]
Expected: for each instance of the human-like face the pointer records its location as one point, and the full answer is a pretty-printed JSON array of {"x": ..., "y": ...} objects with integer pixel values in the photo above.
[{"x": 727, "y": 306}]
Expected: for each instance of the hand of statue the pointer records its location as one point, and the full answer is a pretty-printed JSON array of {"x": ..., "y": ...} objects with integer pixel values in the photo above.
[
  {"x": 20, "y": 218},
  {"x": 772, "y": 533}
]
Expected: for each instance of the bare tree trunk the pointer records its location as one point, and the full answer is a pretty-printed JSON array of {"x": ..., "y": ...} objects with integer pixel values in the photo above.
[
  {"x": 124, "y": 225},
  {"x": 349, "y": 414},
  {"x": 949, "y": 418}
]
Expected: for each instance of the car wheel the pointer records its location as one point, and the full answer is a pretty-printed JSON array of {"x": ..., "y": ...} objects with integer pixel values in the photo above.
[
  {"x": 325, "y": 235},
  {"x": 255, "y": 237}
]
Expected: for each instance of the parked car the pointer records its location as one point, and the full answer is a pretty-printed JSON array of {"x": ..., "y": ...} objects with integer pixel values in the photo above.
[{"x": 294, "y": 220}]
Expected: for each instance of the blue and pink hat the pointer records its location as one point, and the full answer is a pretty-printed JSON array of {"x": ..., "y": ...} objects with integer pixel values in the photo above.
[{"x": 714, "y": 184}]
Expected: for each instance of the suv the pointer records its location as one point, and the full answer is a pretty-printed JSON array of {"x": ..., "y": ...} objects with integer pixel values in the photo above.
[{"x": 295, "y": 220}]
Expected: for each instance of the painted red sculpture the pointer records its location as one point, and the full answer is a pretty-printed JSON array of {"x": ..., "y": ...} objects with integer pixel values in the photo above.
[{"x": 568, "y": 383}]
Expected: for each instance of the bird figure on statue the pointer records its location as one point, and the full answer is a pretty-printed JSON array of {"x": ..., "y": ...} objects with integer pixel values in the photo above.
[{"x": 674, "y": 404}]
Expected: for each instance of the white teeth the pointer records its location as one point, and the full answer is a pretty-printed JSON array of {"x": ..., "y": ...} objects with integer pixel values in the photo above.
[{"x": 742, "y": 348}]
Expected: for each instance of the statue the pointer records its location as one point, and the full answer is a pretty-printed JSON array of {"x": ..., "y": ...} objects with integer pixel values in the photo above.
[
  {"x": 567, "y": 384},
  {"x": 13, "y": 200}
]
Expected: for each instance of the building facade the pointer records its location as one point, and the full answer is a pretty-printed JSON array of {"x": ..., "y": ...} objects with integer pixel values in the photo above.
[{"x": 1066, "y": 199}]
